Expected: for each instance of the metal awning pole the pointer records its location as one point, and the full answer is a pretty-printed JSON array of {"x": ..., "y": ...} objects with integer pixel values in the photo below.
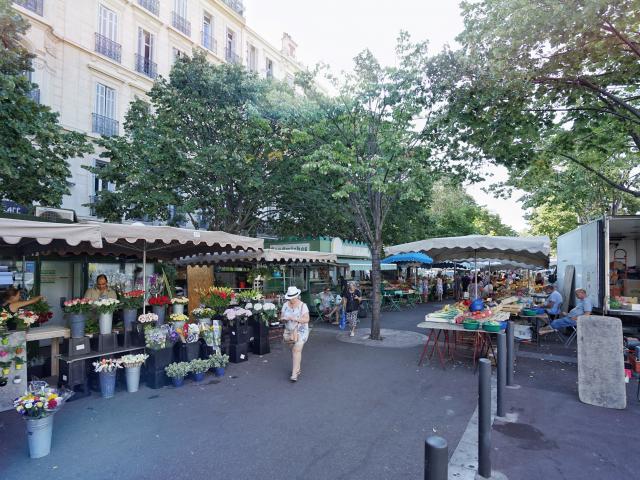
[
  {"x": 144, "y": 277},
  {"x": 475, "y": 263}
]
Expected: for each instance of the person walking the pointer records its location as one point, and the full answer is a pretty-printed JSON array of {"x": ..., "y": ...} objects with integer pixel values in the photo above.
[
  {"x": 439, "y": 287},
  {"x": 351, "y": 304},
  {"x": 424, "y": 289},
  {"x": 295, "y": 314}
]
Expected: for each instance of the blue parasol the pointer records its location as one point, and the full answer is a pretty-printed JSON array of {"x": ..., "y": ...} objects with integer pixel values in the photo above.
[{"x": 411, "y": 257}]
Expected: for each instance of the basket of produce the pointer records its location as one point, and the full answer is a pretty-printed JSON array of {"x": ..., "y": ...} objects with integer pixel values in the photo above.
[
  {"x": 491, "y": 326},
  {"x": 471, "y": 324}
]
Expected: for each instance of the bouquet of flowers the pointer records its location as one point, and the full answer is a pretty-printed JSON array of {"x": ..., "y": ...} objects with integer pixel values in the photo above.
[
  {"x": 216, "y": 298},
  {"x": 155, "y": 338},
  {"x": 178, "y": 317},
  {"x": 237, "y": 314},
  {"x": 208, "y": 334},
  {"x": 147, "y": 318},
  {"x": 203, "y": 312},
  {"x": 77, "y": 306},
  {"x": 38, "y": 405},
  {"x": 159, "y": 301},
  {"x": 249, "y": 296},
  {"x": 134, "y": 360},
  {"x": 266, "y": 312},
  {"x": 179, "y": 300},
  {"x": 189, "y": 333},
  {"x": 132, "y": 300},
  {"x": 4, "y": 316},
  {"x": 42, "y": 311},
  {"x": 26, "y": 318},
  {"x": 155, "y": 284},
  {"x": 107, "y": 365},
  {"x": 106, "y": 305}
]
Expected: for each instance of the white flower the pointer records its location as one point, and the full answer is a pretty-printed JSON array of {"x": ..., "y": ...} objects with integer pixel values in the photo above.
[
  {"x": 249, "y": 306},
  {"x": 257, "y": 307},
  {"x": 269, "y": 306}
]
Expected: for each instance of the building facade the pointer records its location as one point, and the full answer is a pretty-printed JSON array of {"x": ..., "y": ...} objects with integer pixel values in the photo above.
[{"x": 93, "y": 57}]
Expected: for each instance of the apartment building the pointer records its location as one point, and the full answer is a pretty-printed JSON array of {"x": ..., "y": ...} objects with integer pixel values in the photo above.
[{"x": 93, "y": 57}]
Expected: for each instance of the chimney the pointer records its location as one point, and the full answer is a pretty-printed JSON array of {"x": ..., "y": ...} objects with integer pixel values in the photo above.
[{"x": 288, "y": 45}]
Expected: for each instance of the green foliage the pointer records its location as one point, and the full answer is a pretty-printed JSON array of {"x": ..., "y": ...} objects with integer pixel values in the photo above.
[
  {"x": 199, "y": 365},
  {"x": 178, "y": 369},
  {"x": 219, "y": 361},
  {"x": 553, "y": 220},
  {"x": 33, "y": 147}
]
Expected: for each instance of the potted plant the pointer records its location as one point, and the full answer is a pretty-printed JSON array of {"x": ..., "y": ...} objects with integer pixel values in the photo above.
[
  {"x": 105, "y": 308},
  {"x": 5, "y": 366},
  {"x": 178, "y": 320},
  {"x": 19, "y": 362},
  {"x": 77, "y": 309},
  {"x": 132, "y": 365},
  {"x": 107, "y": 369},
  {"x": 199, "y": 367},
  {"x": 177, "y": 371},
  {"x": 178, "y": 304},
  {"x": 219, "y": 363},
  {"x": 38, "y": 408},
  {"x": 238, "y": 318},
  {"x": 216, "y": 298},
  {"x": 25, "y": 318},
  {"x": 159, "y": 306},
  {"x": 155, "y": 338},
  {"x": 4, "y": 340},
  {"x": 131, "y": 302},
  {"x": 203, "y": 314}
]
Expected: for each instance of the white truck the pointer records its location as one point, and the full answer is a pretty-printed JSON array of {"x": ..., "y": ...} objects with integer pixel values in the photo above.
[{"x": 605, "y": 256}]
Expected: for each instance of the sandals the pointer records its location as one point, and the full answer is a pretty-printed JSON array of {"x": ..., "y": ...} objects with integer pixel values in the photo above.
[{"x": 294, "y": 378}]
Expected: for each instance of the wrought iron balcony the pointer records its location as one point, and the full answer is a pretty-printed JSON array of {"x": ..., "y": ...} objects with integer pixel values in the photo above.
[
  {"x": 152, "y": 5},
  {"x": 209, "y": 42},
  {"x": 108, "y": 48},
  {"x": 236, "y": 5},
  {"x": 231, "y": 56},
  {"x": 105, "y": 126},
  {"x": 181, "y": 23},
  {"x": 146, "y": 66},
  {"x": 34, "y": 95},
  {"x": 36, "y": 6}
]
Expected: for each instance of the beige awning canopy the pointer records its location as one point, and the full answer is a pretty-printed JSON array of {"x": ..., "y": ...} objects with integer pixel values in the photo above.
[
  {"x": 266, "y": 256},
  {"x": 27, "y": 237}
]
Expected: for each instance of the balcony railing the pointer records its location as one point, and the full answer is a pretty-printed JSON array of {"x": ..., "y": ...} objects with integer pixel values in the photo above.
[
  {"x": 152, "y": 5},
  {"x": 181, "y": 23},
  {"x": 36, "y": 6},
  {"x": 236, "y": 5},
  {"x": 146, "y": 66},
  {"x": 105, "y": 126},
  {"x": 34, "y": 95},
  {"x": 209, "y": 42},
  {"x": 231, "y": 56},
  {"x": 108, "y": 47}
]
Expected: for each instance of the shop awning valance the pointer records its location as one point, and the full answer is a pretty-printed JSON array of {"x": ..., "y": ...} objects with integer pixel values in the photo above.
[
  {"x": 265, "y": 256},
  {"x": 26, "y": 237},
  {"x": 532, "y": 251}
]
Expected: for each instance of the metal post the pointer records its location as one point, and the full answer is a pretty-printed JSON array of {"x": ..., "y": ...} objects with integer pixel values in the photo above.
[
  {"x": 502, "y": 373},
  {"x": 436, "y": 458},
  {"x": 510, "y": 353},
  {"x": 484, "y": 419}
]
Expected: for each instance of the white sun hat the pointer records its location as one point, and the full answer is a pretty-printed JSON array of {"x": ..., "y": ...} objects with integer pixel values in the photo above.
[{"x": 292, "y": 292}]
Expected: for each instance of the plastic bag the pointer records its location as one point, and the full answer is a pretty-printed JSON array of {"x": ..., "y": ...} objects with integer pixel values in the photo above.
[{"x": 343, "y": 320}]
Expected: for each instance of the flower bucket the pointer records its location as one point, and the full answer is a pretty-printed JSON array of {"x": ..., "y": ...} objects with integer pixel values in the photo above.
[
  {"x": 129, "y": 315},
  {"x": 108, "y": 384},
  {"x": 177, "y": 381},
  {"x": 178, "y": 325},
  {"x": 132, "y": 375},
  {"x": 39, "y": 432},
  {"x": 219, "y": 371},
  {"x": 77, "y": 322},
  {"x": 106, "y": 323},
  {"x": 198, "y": 376},
  {"x": 159, "y": 310},
  {"x": 178, "y": 308},
  {"x": 206, "y": 321}
]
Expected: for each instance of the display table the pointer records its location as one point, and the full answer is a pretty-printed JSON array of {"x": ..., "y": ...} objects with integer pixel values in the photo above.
[{"x": 53, "y": 333}]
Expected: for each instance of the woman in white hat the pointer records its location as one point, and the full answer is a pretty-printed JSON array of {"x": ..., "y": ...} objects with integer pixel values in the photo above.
[{"x": 296, "y": 315}]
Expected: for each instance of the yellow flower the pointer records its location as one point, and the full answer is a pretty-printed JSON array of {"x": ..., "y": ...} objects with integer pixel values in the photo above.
[{"x": 39, "y": 404}]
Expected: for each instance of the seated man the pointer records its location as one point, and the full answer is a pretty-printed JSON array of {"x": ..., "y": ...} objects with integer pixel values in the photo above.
[
  {"x": 554, "y": 301},
  {"x": 328, "y": 305},
  {"x": 583, "y": 307}
]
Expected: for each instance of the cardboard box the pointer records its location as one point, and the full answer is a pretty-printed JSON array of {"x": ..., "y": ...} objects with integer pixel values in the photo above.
[{"x": 632, "y": 288}]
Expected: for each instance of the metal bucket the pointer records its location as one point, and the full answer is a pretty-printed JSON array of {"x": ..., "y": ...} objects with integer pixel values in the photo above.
[{"x": 39, "y": 432}]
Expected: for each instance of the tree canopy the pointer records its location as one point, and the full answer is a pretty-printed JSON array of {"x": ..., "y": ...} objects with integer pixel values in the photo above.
[{"x": 34, "y": 148}]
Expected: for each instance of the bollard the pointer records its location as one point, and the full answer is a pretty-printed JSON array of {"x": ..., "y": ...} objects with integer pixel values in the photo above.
[
  {"x": 502, "y": 373},
  {"x": 484, "y": 419},
  {"x": 436, "y": 458},
  {"x": 510, "y": 353}
]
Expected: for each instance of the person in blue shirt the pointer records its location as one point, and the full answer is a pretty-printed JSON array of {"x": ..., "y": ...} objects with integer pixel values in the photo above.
[
  {"x": 583, "y": 307},
  {"x": 554, "y": 300}
]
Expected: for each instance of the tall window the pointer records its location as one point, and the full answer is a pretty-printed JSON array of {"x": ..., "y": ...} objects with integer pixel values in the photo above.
[
  {"x": 144, "y": 57},
  {"x": 252, "y": 58},
  {"x": 269, "y": 68},
  {"x": 179, "y": 17},
  {"x": 230, "y": 47},
  {"x": 107, "y": 34},
  {"x": 104, "y": 116},
  {"x": 180, "y": 7},
  {"x": 207, "y": 32}
]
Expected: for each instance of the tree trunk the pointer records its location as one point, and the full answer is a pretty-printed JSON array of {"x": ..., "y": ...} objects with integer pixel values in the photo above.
[{"x": 376, "y": 282}]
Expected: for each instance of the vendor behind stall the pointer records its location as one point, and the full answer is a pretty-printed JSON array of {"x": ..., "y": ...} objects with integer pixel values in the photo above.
[
  {"x": 101, "y": 290},
  {"x": 583, "y": 307},
  {"x": 554, "y": 301},
  {"x": 12, "y": 303}
]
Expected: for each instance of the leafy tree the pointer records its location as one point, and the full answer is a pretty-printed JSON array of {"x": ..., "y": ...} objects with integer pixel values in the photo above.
[
  {"x": 370, "y": 139},
  {"x": 33, "y": 147},
  {"x": 552, "y": 220},
  {"x": 211, "y": 144},
  {"x": 551, "y": 82}
]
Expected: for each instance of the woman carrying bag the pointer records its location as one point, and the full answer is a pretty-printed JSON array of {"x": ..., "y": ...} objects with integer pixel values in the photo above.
[
  {"x": 350, "y": 305},
  {"x": 295, "y": 314}
]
